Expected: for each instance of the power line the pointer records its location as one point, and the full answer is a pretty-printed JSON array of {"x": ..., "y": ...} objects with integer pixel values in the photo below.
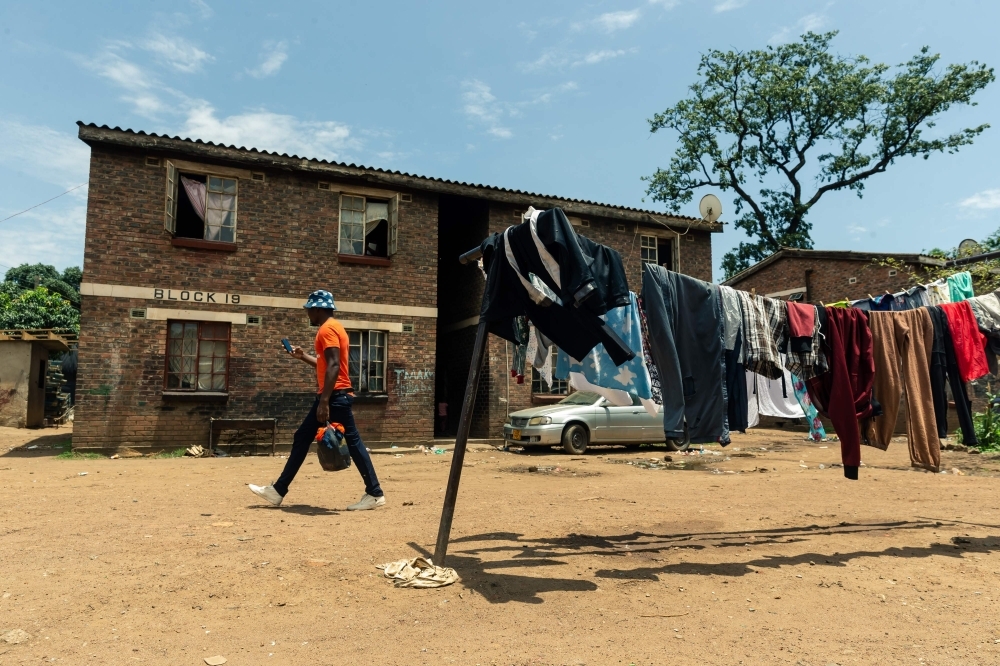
[{"x": 44, "y": 202}]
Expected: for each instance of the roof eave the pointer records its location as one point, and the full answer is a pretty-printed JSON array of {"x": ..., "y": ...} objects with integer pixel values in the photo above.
[{"x": 92, "y": 134}]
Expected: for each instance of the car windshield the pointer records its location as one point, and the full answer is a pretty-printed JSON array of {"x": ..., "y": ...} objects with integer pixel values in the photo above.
[{"x": 580, "y": 398}]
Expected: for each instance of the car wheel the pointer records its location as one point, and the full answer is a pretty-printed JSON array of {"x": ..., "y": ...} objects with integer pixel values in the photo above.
[
  {"x": 680, "y": 444},
  {"x": 575, "y": 439}
]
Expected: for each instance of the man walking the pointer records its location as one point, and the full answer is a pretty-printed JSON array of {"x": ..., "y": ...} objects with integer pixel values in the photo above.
[{"x": 333, "y": 404}]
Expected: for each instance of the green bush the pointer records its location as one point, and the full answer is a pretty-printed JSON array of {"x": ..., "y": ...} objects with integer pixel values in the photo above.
[{"x": 987, "y": 427}]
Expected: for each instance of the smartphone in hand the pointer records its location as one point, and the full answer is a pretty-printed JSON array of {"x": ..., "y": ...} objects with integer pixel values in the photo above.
[{"x": 287, "y": 345}]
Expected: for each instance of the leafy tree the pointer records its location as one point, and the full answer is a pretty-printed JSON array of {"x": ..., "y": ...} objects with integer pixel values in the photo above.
[
  {"x": 29, "y": 276},
  {"x": 36, "y": 308},
  {"x": 785, "y": 115}
]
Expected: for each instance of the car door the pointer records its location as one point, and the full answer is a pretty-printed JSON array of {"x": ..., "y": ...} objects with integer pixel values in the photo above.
[
  {"x": 652, "y": 426},
  {"x": 626, "y": 423}
]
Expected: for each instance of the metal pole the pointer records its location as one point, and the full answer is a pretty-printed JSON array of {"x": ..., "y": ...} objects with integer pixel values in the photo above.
[{"x": 461, "y": 440}]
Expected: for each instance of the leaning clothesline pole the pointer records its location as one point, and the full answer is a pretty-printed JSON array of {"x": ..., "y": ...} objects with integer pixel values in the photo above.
[{"x": 464, "y": 425}]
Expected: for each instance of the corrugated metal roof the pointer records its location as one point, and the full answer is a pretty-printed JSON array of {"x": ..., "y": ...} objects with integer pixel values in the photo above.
[{"x": 375, "y": 170}]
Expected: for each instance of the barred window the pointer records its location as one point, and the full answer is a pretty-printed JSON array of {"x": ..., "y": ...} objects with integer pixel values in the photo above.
[
  {"x": 197, "y": 356},
  {"x": 647, "y": 249},
  {"x": 366, "y": 361}
]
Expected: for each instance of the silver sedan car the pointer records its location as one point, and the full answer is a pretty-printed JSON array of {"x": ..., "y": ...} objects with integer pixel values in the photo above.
[{"x": 585, "y": 418}]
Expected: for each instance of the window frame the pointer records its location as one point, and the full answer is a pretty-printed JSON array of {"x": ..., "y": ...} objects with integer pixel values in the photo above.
[
  {"x": 365, "y": 345},
  {"x": 174, "y": 169},
  {"x": 537, "y": 377},
  {"x": 392, "y": 246},
  {"x": 645, "y": 247},
  {"x": 167, "y": 356}
]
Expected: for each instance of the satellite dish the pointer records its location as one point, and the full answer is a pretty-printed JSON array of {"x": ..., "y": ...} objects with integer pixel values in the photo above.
[
  {"x": 710, "y": 208},
  {"x": 968, "y": 247}
]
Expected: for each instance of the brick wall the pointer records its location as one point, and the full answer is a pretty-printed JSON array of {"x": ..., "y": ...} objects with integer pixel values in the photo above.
[
  {"x": 830, "y": 278},
  {"x": 286, "y": 238}
]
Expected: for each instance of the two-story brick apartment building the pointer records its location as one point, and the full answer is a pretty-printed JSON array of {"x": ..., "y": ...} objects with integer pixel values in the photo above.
[{"x": 199, "y": 256}]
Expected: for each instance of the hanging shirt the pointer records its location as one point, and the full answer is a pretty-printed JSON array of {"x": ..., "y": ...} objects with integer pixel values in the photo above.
[
  {"x": 600, "y": 372},
  {"x": 765, "y": 327},
  {"x": 938, "y": 293},
  {"x": 967, "y": 340},
  {"x": 732, "y": 320},
  {"x": 774, "y": 397},
  {"x": 960, "y": 286}
]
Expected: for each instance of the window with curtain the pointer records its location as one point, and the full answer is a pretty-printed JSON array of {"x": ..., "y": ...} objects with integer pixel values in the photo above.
[
  {"x": 197, "y": 356},
  {"x": 201, "y": 206},
  {"x": 538, "y": 385},
  {"x": 365, "y": 226}
]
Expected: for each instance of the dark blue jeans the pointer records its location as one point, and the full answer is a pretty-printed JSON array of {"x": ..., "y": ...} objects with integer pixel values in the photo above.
[{"x": 340, "y": 412}]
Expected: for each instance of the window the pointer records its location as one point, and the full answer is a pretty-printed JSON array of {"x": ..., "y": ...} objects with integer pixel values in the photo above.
[
  {"x": 366, "y": 361},
  {"x": 197, "y": 356},
  {"x": 368, "y": 227},
  {"x": 647, "y": 249},
  {"x": 559, "y": 386},
  {"x": 200, "y": 206}
]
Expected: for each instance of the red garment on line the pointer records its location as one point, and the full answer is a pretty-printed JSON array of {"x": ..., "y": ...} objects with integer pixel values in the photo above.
[
  {"x": 969, "y": 343},
  {"x": 801, "y": 319},
  {"x": 844, "y": 394}
]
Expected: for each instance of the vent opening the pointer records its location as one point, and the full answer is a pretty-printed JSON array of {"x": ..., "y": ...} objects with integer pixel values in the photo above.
[
  {"x": 407, "y": 328},
  {"x": 852, "y": 280},
  {"x": 584, "y": 223},
  {"x": 406, "y": 197},
  {"x": 137, "y": 313},
  {"x": 621, "y": 227},
  {"x": 324, "y": 186},
  {"x": 153, "y": 161},
  {"x": 892, "y": 273},
  {"x": 258, "y": 176},
  {"x": 253, "y": 320}
]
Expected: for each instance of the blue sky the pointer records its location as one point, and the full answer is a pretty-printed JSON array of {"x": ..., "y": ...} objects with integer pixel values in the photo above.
[{"x": 550, "y": 97}]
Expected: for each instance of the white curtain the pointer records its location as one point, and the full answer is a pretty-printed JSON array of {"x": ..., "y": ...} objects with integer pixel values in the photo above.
[{"x": 196, "y": 195}]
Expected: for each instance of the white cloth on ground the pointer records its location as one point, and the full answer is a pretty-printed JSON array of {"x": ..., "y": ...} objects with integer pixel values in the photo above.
[{"x": 418, "y": 572}]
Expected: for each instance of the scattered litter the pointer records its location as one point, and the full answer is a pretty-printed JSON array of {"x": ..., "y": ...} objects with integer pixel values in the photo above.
[
  {"x": 81, "y": 474},
  {"x": 407, "y": 503},
  {"x": 957, "y": 472},
  {"x": 33, "y": 446},
  {"x": 219, "y": 453},
  {"x": 398, "y": 455},
  {"x": 439, "y": 451},
  {"x": 196, "y": 451},
  {"x": 15, "y": 636},
  {"x": 115, "y": 457},
  {"x": 217, "y": 660},
  {"x": 419, "y": 572}
]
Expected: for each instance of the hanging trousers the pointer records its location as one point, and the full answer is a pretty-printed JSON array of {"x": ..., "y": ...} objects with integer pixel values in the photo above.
[
  {"x": 736, "y": 387},
  {"x": 902, "y": 342},
  {"x": 944, "y": 362}
]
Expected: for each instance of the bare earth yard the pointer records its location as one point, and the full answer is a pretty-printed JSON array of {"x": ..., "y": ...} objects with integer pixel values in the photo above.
[{"x": 593, "y": 559}]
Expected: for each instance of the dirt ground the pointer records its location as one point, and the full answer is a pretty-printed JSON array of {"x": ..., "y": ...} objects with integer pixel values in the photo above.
[{"x": 736, "y": 556}]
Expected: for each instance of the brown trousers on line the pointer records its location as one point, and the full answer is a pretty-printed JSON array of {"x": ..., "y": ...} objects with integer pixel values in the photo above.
[{"x": 902, "y": 343}]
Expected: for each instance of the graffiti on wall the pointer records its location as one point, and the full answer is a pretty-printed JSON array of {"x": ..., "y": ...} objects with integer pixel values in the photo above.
[{"x": 411, "y": 383}]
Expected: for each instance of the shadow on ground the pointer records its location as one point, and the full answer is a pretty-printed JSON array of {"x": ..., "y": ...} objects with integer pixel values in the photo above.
[{"x": 493, "y": 578}]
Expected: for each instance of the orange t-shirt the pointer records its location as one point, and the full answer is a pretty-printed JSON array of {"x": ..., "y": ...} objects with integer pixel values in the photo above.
[{"x": 332, "y": 334}]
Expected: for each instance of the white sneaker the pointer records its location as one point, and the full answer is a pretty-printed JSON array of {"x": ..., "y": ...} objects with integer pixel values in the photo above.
[
  {"x": 367, "y": 502},
  {"x": 268, "y": 493}
]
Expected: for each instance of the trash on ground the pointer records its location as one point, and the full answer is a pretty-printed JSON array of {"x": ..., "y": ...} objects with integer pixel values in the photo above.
[
  {"x": 217, "y": 660},
  {"x": 195, "y": 451},
  {"x": 419, "y": 572},
  {"x": 15, "y": 636}
]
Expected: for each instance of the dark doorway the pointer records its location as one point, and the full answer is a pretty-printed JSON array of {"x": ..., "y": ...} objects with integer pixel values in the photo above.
[
  {"x": 462, "y": 225},
  {"x": 665, "y": 253}
]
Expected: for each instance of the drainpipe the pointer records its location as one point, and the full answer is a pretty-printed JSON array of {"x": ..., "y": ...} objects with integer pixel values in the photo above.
[{"x": 809, "y": 273}]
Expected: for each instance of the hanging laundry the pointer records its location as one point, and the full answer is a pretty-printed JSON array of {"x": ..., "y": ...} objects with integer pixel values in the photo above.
[
  {"x": 902, "y": 344},
  {"x": 816, "y": 430},
  {"x": 960, "y": 286},
  {"x": 862, "y": 304},
  {"x": 987, "y": 311},
  {"x": 540, "y": 355},
  {"x": 737, "y": 413},
  {"x": 654, "y": 374},
  {"x": 805, "y": 356},
  {"x": 844, "y": 394},
  {"x": 517, "y": 291},
  {"x": 938, "y": 292},
  {"x": 840, "y": 304},
  {"x": 917, "y": 296},
  {"x": 601, "y": 375},
  {"x": 901, "y": 302},
  {"x": 732, "y": 319},
  {"x": 686, "y": 339},
  {"x": 765, "y": 326},
  {"x": 521, "y": 332},
  {"x": 945, "y": 363},
  {"x": 968, "y": 341},
  {"x": 774, "y": 397}
]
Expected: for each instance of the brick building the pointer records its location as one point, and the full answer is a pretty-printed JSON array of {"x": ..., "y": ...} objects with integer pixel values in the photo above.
[
  {"x": 827, "y": 276},
  {"x": 198, "y": 258}
]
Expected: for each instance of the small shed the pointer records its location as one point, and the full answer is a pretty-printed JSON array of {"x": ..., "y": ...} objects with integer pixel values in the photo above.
[{"x": 24, "y": 361}]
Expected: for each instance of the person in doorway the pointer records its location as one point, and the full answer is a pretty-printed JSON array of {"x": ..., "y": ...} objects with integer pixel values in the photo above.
[
  {"x": 442, "y": 418},
  {"x": 333, "y": 404}
]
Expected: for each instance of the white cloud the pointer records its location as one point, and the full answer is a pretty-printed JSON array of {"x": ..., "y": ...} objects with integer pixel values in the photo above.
[
  {"x": 615, "y": 21},
  {"x": 856, "y": 231},
  {"x": 980, "y": 201},
  {"x": 729, "y": 5},
  {"x": 43, "y": 153},
  {"x": 203, "y": 9},
  {"x": 177, "y": 52},
  {"x": 140, "y": 86},
  {"x": 808, "y": 23},
  {"x": 481, "y": 105},
  {"x": 275, "y": 132},
  {"x": 595, "y": 57},
  {"x": 271, "y": 59},
  {"x": 666, "y": 4},
  {"x": 51, "y": 234},
  {"x": 550, "y": 58}
]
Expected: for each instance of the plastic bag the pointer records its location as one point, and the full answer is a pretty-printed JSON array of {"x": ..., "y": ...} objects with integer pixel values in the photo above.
[{"x": 331, "y": 447}]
